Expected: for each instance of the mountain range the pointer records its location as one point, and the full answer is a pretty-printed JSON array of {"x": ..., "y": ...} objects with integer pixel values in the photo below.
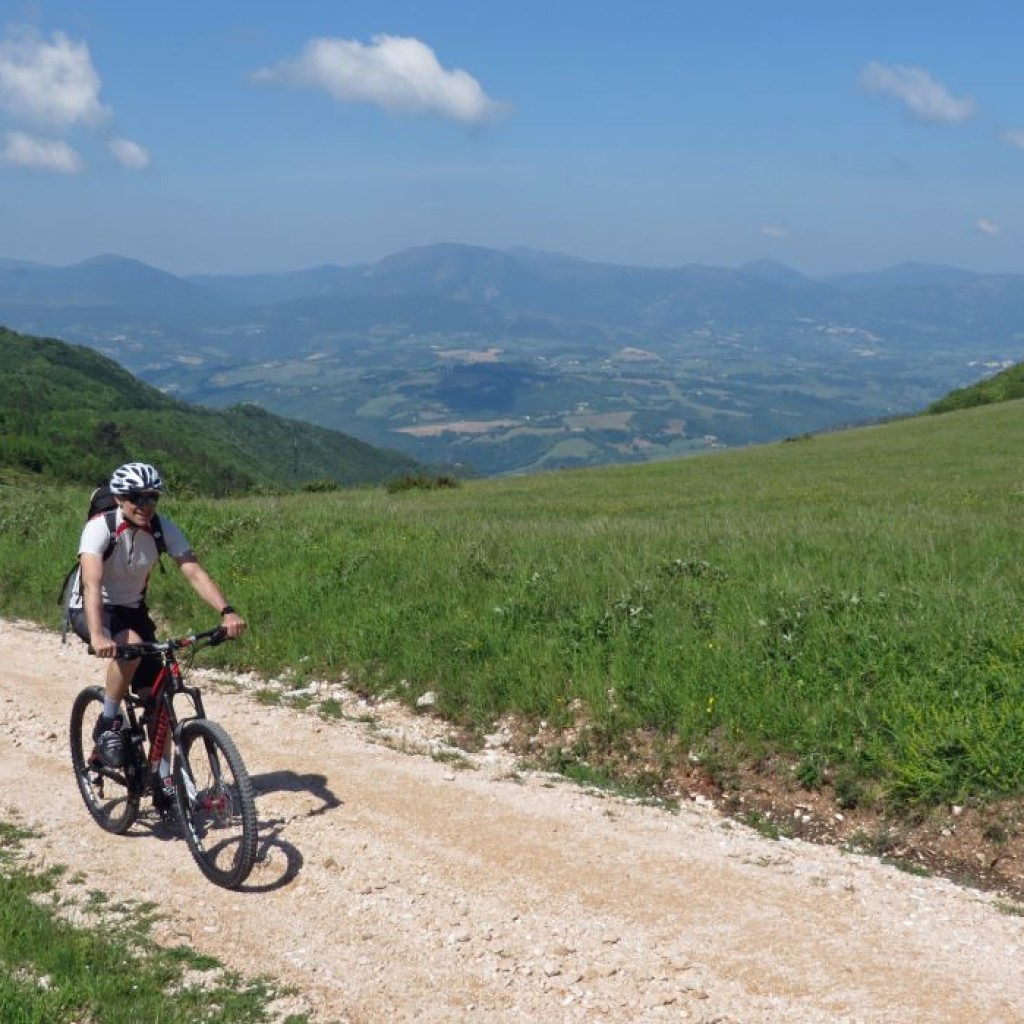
[{"x": 519, "y": 360}]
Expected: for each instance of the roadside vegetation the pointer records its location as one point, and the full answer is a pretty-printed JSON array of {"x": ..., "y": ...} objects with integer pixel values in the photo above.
[
  {"x": 76, "y": 958},
  {"x": 844, "y": 607}
]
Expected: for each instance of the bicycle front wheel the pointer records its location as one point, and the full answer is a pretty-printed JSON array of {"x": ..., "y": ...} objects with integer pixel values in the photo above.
[
  {"x": 216, "y": 803},
  {"x": 108, "y": 792}
]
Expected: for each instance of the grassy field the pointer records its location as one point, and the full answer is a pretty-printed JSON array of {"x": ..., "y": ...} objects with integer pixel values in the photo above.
[
  {"x": 105, "y": 970},
  {"x": 849, "y": 602}
]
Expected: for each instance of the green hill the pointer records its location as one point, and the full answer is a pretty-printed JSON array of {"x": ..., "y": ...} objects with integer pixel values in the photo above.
[
  {"x": 68, "y": 413},
  {"x": 829, "y": 626},
  {"x": 1003, "y": 387}
]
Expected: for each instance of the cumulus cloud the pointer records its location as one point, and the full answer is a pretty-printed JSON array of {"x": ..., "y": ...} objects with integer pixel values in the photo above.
[
  {"x": 924, "y": 98},
  {"x": 49, "y": 82},
  {"x": 774, "y": 231},
  {"x": 129, "y": 154},
  {"x": 986, "y": 227},
  {"x": 399, "y": 74},
  {"x": 23, "y": 150},
  {"x": 1015, "y": 137}
]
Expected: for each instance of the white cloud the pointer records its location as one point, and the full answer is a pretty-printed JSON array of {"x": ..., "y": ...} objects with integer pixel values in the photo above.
[
  {"x": 128, "y": 154},
  {"x": 986, "y": 227},
  {"x": 400, "y": 74},
  {"x": 1014, "y": 136},
  {"x": 774, "y": 231},
  {"x": 52, "y": 83},
  {"x": 23, "y": 150},
  {"x": 49, "y": 82},
  {"x": 924, "y": 98}
]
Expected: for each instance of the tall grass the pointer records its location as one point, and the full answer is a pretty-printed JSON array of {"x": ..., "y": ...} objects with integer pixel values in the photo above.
[{"x": 850, "y": 602}]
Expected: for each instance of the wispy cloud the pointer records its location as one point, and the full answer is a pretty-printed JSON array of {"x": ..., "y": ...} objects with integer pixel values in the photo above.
[
  {"x": 1014, "y": 136},
  {"x": 923, "y": 97},
  {"x": 23, "y": 150},
  {"x": 986, "y": 226},
  {"x": 52, "y": 84},
  {"x": 774, "y": 231},
  {"x": 128, "y": 154},
  {"x": 399, "y": 74}
]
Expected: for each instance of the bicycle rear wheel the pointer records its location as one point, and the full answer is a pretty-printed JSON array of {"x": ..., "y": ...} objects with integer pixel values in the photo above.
[
  {"x": 108, "y": 794},
  {"x": 216, "y": 803}
]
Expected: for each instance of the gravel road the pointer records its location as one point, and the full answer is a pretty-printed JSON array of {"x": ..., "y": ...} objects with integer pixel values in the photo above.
[{"x": 396, "y": 886}]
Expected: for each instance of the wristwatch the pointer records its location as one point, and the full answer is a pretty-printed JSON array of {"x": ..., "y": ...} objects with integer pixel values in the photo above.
[{"x": 227, "y": 610}]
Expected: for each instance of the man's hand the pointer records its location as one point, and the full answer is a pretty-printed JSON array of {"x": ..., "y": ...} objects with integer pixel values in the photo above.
[
  {"x": 104, "y": 647},
  {"x": 234, "y": 624}
]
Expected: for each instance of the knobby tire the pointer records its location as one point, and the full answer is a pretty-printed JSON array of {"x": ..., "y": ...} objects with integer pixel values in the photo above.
[
  {"x": 109, "y": 795},
  {"x": 216, "y": 803}
]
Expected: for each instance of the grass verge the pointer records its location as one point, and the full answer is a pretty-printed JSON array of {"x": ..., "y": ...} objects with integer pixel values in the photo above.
[{"x": 110, "y": 971}]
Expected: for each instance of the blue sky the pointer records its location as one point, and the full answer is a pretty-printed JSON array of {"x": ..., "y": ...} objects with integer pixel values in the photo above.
[{"x": 264, "y": 136}]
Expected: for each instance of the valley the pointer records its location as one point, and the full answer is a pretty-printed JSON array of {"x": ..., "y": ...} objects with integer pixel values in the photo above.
[{"x": 498, "y": 363}]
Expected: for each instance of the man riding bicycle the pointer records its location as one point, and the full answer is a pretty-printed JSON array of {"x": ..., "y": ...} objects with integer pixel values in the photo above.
[{"x": 109, "y": 606}]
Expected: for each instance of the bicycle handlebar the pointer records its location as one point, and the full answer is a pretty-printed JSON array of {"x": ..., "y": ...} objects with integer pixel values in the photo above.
[{"x": 126, "y": 652}]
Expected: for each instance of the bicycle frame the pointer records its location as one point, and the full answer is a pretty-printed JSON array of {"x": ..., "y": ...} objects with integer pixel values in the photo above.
[{"x": 159, "y": 696}]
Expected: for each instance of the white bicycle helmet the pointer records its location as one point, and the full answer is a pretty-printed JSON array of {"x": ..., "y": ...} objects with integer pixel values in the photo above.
[{"x": 135, "y": 477}]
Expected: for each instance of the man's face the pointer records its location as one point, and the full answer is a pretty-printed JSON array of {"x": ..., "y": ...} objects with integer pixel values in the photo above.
[{"x": 139, "y": 507}]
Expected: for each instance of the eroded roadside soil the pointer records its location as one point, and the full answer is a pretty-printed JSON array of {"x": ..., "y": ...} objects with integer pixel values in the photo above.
[{"x": 396, "y": 886}]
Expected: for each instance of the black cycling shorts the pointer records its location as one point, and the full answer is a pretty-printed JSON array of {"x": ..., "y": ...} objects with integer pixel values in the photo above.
[{"x": 118, "y": 619}]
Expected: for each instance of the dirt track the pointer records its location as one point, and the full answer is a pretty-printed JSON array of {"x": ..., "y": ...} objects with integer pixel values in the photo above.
[{"x": 394, "y": 887}]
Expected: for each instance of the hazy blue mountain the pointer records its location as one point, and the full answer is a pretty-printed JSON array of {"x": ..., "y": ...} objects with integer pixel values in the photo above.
[
  {"x": 258, "y": 289},
  {"x": 776, "y": 273},
  {"x": 525, "y": 284},
  {"x": 903, "y": 275},
  {"x": 516, "y": 359},
  {"x": 7, "y": 264},
  {"x": 102, "y": 281}
]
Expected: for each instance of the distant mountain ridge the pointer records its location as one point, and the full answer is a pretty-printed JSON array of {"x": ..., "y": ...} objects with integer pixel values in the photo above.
[
  {"x": 517, "y": 281},
  {"x": 515, "y": 360}
]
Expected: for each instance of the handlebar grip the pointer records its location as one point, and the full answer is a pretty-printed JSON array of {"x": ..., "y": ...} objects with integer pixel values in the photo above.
[
  {"x": 218, "y": 636},
  {"x": 124, "y": 652}
]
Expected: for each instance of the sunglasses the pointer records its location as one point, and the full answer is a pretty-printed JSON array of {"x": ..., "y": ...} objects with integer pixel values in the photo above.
[{"x": 142, "y": 499}]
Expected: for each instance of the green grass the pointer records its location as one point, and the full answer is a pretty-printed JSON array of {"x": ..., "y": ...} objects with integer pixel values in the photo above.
[
  {"x": 52, "y": 972},
  {"x": 849, "y": 605}
]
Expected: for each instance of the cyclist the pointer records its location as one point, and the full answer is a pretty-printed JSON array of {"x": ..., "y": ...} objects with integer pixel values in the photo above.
[{"x": 109, "y": 607}]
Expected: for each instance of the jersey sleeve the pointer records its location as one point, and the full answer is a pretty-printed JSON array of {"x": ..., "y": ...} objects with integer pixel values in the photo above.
[
  {"x": 95, "y": 537},
  {"x": 176, "y": 541}
]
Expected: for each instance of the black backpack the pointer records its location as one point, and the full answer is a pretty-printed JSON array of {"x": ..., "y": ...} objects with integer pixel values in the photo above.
[{"x": 103, "y": 502}]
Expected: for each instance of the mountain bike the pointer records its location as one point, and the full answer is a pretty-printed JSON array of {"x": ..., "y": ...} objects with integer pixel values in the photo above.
[{"x": 213, "y": 794}]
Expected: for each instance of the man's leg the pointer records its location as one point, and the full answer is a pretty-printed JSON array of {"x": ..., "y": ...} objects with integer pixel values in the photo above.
[{"x": 107, "y": 734}]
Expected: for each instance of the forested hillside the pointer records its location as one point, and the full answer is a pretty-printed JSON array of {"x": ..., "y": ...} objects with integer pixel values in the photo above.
[
  {"x": 1003, "y": 387},
  {"x": 68, "y": 413}
]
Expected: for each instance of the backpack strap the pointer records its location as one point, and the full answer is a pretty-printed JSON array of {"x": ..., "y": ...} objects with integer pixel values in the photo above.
[
  {"x": 158, "y": 535},
  {"x": 115, "y": 530}
]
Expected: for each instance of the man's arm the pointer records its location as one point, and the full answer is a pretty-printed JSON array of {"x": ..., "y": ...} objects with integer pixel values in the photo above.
[
  {"x": 92, "y": 604},
  {"x": 204, "y": 585}
]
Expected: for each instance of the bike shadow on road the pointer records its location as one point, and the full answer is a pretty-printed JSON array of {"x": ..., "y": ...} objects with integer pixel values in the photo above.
[
  {"x": 293, "y": 782},
  {"x": 271, "y": 828},
  {"x": 277, "y": 862},
  {"x": 275, "y": 856}
]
